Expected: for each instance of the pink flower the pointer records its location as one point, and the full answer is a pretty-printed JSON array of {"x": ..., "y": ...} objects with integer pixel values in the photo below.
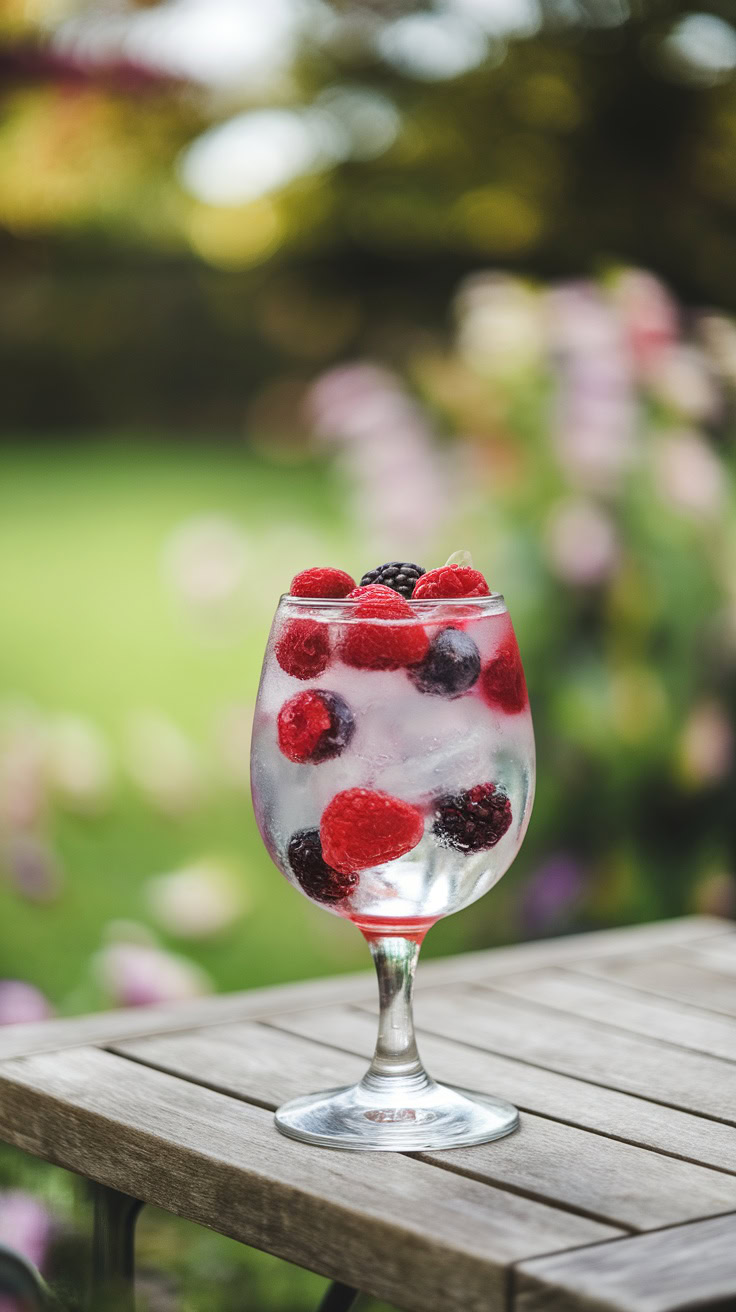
[
  {"x": 596, "y": 413},
  {"x": 21, "y": 1003},
  {"x": 140, "y": 974},
  {"x": 689, "y": 474},
  {"x": 25, "y": 1225},
  {"x": 581, "y": 543},
  {"x": 385, "y": 446},
  {"x": 648, "y": 314}
]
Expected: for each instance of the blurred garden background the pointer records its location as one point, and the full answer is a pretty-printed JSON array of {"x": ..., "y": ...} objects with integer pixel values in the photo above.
[{"x": 307, "y": 283}]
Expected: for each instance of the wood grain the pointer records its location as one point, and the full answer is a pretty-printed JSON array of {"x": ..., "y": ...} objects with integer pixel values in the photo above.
[
  {"x": 724, "y": 959},
  {"x": 568, "y": 1167},
  {"x": 606, "y": 1111},
  {"x": 103, "y": 1027},
  {"x": 673, "y": 1076},
  {"x": 624, "y": 1008},
  {"x": 688, "y": 1267},
  {"x": 396, "y": 1227},
  {"x": 676, "y": 976}
]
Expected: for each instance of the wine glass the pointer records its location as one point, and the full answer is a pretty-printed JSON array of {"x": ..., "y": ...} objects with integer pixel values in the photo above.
[{"x": 393, "y": 777}]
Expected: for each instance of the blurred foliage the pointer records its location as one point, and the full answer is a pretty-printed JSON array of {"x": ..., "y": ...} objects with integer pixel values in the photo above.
[{"x": 571, "y": 136}]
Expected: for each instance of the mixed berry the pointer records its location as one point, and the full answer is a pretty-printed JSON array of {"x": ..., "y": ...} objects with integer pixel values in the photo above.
[
  {"x": 401, "y": 576},
  {"x": 439, "y": 656},
  {"x": 315, "y": 726},
  {"x": 303, "y": 648},
  {"x": 450, "y": 667},
  {"x": 473, "y": 821},
  {"x": 312, "y": 872}
]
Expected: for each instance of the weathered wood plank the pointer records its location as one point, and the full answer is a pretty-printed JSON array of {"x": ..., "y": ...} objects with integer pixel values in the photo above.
[
  {"x": 104, "y": 1027},
  {"x": 674, "y": 976},
  {"x": 399, "y": 1228},
  {"x": 108, "y": 1026},
  {"x": 562, "y": 1097},
  {"x": 724, "y": 959},
  {"x": 587, "y": 1173},
  {"x": 677, "y": 1078},
  {"x": 688, "y": 1267},
  {"x": 615, "y": 1004}
]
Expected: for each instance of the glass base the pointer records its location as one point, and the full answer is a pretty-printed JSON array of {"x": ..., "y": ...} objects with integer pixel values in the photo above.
[{"x": 406, "y": 1116}]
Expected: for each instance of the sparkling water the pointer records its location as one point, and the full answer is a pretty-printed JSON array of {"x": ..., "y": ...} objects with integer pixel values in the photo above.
[{"x": 416, "y": 746}]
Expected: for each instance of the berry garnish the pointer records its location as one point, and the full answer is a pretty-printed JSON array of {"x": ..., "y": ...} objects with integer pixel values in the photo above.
[
  {"x": 303, "y": 649},
  {"x": 320, "y": 582},
  {"x": 361, "y": 828},
  {"x": 451, "y": 666},
  {"x": 401, "y": 576},
  {"x": 371, "y": 590},
  {"x": 315, "y": 726},
  {"x": 318, "y": 880},
  {"x": 371, "y": 643},
  {"x": 473, "y": 821},
  {"x": 450, "y": 581},
  {"x": 502, "y": 682}
]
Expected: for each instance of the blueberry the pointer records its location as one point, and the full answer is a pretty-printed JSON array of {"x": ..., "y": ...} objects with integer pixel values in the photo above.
[{"x": 451, "y": 666}]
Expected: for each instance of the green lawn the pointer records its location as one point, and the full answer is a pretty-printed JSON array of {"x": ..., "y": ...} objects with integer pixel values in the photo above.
[{"x": 91, "y": 628}]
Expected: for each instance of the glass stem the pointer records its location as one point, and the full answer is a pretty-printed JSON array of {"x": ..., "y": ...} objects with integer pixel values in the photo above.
[{"x": 396, "y": 1056}]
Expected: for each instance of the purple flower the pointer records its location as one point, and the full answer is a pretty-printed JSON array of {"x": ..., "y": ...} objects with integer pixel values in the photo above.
[
  {"x": 581, "y": 543},
  {"x": 32, "y": 867},
  {"x": 25, "y": 1225},
  {"x": 21, "y": 1002},
  {"x": 552, "y": 893},
  {"x": 385, "y": 445}
]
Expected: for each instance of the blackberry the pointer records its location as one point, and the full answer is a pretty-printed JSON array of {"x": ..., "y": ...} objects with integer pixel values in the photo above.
[
  {"x": 473, "y": 821},
  {"x": 318, "y": 880},
  {"x": 451, "y": 666},
  {"x": 401, "y": 576}
]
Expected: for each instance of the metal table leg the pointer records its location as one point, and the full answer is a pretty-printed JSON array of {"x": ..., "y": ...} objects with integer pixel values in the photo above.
[
  {"x": 339, "y": 1298},
  {"x": 20, "y": 1279},
  {"x": 113, "y": 1257}
]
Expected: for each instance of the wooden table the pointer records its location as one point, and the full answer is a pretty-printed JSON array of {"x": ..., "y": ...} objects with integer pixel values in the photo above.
[{"x": 618, "y": 1192}]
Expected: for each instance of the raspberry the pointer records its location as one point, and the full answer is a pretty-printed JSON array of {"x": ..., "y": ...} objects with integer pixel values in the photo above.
[
  {"x": 318, "y": 880},
  {"x": 372, "y": 590},
  {"x": 502, "y": 682},
  {"x": 451, "y": 581},
  {"x": 321, "y": 582},
  {"x": 380, "y": 645},
  {"x": 398, "y": 575},
  {"x": 451, "y": 666},
  {"x": 315, "y": 726},
  {"x": 303, "y": 648},
  {"x": 361, "y": 828},
  {"x": 473, "y": 821}
]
